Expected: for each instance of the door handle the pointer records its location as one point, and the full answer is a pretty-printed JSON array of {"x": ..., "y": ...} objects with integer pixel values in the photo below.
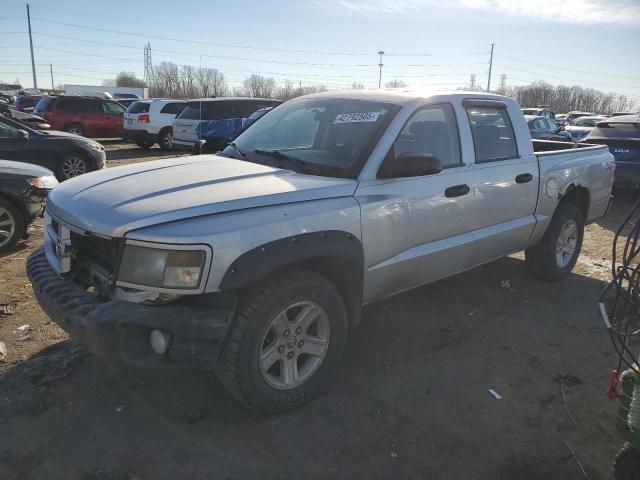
[
  {"x": 524, "y": 178},
  {"x": 456, "y": 191}
]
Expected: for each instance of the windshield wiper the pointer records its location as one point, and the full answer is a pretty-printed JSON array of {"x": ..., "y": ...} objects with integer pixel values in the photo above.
[
  {"x": 237, "y": 150},
  {"x": 283, "y": 156}
]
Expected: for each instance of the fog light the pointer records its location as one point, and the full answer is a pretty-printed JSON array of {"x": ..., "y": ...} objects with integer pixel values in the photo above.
[{"x": 159, "y": 341}]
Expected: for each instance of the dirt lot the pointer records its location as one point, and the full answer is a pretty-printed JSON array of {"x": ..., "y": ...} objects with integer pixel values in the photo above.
[{"x": 410, "y": 399}]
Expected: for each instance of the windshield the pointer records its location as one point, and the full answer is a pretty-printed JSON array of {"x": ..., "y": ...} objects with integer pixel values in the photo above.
[{"x": 321, "y": 136}]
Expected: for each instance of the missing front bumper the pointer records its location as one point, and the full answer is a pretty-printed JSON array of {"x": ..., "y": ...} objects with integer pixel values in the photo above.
[{"x": 122, "y": 329}]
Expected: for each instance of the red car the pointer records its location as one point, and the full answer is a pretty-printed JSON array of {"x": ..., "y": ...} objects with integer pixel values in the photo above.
[{"x": 86, "y": 116}]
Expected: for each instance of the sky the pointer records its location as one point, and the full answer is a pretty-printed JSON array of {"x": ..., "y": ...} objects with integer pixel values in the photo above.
[{"x": 427, "y": 43}]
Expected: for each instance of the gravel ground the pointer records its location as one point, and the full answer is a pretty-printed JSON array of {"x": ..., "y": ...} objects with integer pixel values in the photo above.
[{"x": 410, "y": 399}]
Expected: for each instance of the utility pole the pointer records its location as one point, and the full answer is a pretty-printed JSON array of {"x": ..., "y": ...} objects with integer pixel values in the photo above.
[
  {"x": 490, "y": 66},
  {"x": 472, "y": 82},
  {"x": 33, "y": 62},
  {"x": 51, "y": 70},
  {"x": 380, "y": 65}
]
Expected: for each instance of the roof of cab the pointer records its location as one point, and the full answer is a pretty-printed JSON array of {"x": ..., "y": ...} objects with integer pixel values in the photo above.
[{"x": 403, "y": 96}]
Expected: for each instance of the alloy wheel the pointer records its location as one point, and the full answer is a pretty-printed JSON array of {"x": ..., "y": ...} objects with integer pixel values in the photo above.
[
  {"x": 294, "y": 345},
  {"x": 7, "y": 226},
  {"x": 566, "y": 246},
  {"x": 73, "y": 166}
]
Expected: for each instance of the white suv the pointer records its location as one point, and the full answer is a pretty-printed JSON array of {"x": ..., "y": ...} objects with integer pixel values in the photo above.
[{"x": 150, "y": 121}]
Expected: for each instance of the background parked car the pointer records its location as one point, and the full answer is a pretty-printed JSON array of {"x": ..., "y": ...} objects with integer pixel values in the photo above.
[
  {"x": 65, "y": 154},
  {"x": 25, "y": 102},
  {"x": 561, "y": 119},
  {"x": 218, "y": 133},
  {"x": 544, "y": 128},
  {"x": 119, "y": 96},
  {"x": 23, "y": 190},
  {"x": 126, "y": 102},
  {"x": 582, "y": 126},
  {"x": 619, "y": 114},
  {"x": 540, "y": 111},
  {"x": 196, "y": 111},
  {"x": 151, "y": 121},
  {"x": 86, "y": 116},
  {"x": 571, "y": 116},
  {"x": 8, "y": 97},
  {"x": 622, "y": 136}
]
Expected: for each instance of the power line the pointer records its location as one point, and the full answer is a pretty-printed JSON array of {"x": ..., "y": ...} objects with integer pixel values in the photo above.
[{"x": 565, "y": 68}]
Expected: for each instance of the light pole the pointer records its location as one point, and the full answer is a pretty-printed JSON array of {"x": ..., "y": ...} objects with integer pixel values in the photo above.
[{"x": 380, "y": 65}]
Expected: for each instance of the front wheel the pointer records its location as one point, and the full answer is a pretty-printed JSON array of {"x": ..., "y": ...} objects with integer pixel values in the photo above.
[
  {"x": 73, "y": 164},
  {"x": 11, "y": 225},
  {"x": 144, "y": 144},
  {"x": 556, "y": 254},
  {"x": 285, "y": 341}
]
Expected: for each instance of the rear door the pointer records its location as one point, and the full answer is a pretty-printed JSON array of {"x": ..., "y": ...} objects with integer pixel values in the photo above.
[
  {"x": 113, "y": 116},
  {"x": 506, "y": 184},
  {"x": 91, "y": 116}
]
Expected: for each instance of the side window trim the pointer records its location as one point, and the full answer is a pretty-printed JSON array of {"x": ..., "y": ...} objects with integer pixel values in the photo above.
[
  {"x": 498, "y": 106},
  {"x": 457, "y": 129}
]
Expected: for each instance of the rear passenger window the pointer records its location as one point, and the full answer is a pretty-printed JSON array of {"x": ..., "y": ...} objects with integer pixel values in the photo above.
[
  {"x": 434, "y": 131},
  {"x": 138, "y": 107},
  {"x": 172, "y": 108},
  {"x": 112, "y": 108},
  {"x": 493, "y": 137}
]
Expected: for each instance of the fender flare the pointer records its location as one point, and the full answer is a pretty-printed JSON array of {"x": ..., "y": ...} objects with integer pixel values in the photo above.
[{"x": 266, "y": 259}]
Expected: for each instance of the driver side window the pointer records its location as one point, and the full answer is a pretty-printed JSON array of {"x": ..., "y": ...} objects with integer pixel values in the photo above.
[
  {"x": 433, "y": 131},
  {"x": 8, "y": 131}
]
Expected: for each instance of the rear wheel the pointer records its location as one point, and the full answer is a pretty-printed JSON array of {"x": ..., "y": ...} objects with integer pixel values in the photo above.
[
  {"x": 166, "y": 136},
  {"x": 144, "y": 144},
  {"x": 72, "y": 165},
  {"x": 11, "y": 225},
  {"x": 556, "y": 254},
  {"x": 285, "y": 341},
  {"x": 76, "y": 129}
]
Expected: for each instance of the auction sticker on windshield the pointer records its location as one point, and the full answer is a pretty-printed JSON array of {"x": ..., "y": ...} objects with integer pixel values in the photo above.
[{"x": 357, "y": 117}]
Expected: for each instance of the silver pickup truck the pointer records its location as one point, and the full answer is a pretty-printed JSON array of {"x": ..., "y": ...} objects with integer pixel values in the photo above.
[{"x": 258, "y": 260}]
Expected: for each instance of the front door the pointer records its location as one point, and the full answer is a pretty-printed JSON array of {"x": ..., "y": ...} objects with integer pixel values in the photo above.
[
  {"x": 506, "y": 184},
  {"x": 113, "y": 115},
  {"x": 418, "y": 229}
]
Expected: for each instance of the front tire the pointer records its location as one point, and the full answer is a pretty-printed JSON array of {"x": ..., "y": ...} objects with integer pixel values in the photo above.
[
  {"x": 72, "y": 165},
  {"x": 11, "y": 225},
  {"x": 556, "y": 254},
  {"x": 285, "y": 341},
  {"x": 144, "y": 144}
]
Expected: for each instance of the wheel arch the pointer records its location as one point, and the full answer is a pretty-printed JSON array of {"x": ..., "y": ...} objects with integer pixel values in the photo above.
[
  {"x": 334, "y": 254},
  {"x": 579, "y": 196}
]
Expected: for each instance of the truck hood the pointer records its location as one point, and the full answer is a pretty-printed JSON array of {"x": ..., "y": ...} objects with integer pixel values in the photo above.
[{"x": 115, "y": 201}]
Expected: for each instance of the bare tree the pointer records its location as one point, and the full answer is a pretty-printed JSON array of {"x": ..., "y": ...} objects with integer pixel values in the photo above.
[
  {"x": 395, "y": 83},
  {"x": 357, "y": 85},
  {"x": 211, "y": 83},
  {"x": 129, "y": 79},
  {"x": 259, "y": 87},
  {"x": 287, "y": 91},
  {"x": 188, "y": 82}
]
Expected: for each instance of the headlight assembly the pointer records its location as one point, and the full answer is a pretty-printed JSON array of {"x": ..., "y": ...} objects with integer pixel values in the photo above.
[
  {"x": 162, "y": 268},
  {"x": 96, "y": 146},
  {"x": 45, "y": 183}
]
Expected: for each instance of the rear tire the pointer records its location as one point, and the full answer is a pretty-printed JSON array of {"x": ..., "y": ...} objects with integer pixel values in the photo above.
[
  {"x": 165, "y": 137},
  {"x": 76, "y": 129},
  {"x": 12, "y": 224},
  {"x": 285, "y": 341},
  {"x": 556, "y": 254}
]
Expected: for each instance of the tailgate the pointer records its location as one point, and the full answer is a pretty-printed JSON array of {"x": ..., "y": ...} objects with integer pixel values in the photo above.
[{"x": 185, "y": 130}]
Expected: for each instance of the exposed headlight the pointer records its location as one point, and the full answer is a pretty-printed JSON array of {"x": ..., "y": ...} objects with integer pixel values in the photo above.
[
  {"x": 161, "y": 268},
  {"x": 96, "y": 146},
  {"x": 45, "y": 183}
]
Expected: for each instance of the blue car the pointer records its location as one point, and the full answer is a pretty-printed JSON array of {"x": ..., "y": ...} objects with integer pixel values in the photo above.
[{"x": 622, "y": 136}]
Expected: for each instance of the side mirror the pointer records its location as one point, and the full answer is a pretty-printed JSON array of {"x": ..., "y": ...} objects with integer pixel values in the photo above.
[
  {"x": 410, "y": 165},
  {"x": 23, "y": 135}
]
